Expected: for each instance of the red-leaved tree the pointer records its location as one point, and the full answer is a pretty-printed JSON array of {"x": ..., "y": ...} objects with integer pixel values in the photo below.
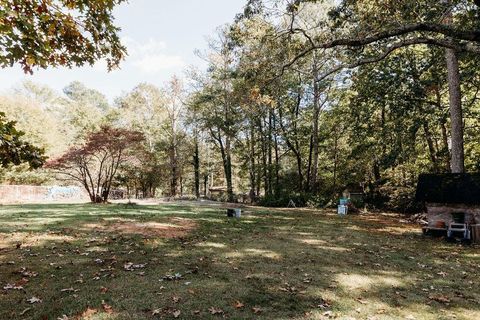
[{"x": 95, "y": 163}]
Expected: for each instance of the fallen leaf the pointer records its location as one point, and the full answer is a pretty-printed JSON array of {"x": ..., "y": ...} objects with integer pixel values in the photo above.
[
  {"x": 107, "y": 308},
  {"x": 33, "y": 300},
  {"x": 131, "y": 267},
  {"x": 256, "y": 310},
  {"x": 176, "y": 313},
  {"x": 25, "y": 311},
  {"x": 439, "y": 298},
  {"x": 88, "y": 313},
  {"x": 239, "y": 305},
  {"x": 10, "y": 286},
  {"x": 215, "y": 311}
]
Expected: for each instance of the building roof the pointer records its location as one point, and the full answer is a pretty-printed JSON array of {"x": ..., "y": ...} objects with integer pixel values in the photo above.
[
  {"x": 218, "y": 189},
  {"x": 454, "y": 188}
]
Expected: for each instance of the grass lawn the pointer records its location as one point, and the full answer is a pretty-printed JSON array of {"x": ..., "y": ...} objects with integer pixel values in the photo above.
[{"x": 188, "y": 262}]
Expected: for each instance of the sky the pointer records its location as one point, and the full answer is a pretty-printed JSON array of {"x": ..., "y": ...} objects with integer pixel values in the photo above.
[{"x": 161, "y": 37}]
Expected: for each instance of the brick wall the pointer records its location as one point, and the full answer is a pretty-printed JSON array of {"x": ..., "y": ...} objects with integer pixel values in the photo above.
[
  {"x": 35, "y": 194},
  {"x": 443, "y": 212}
]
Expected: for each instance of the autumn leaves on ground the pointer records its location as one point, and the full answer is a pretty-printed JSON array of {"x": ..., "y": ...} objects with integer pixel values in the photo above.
[{"x": 188, "y": 262}]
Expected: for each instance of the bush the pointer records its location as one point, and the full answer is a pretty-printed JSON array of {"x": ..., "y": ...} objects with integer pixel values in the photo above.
[
  {"x": 24, "y": 175},
  {"x": 301, "y": 199}
]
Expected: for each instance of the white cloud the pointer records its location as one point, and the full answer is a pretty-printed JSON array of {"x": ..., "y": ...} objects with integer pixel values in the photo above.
[
  {"x": 150, "y": 57},
  {"x": 157, "y": 62}
]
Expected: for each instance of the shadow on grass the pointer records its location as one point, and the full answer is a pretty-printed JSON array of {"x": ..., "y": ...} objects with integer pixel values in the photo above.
[{"x": 267, "y": 265}]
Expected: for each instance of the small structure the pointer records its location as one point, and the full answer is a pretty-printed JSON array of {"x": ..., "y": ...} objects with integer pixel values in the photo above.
[
  {"x": 452, "y": 203},
  {"x": 355, "y": 194},
  {"x": 217, "y": 193}
]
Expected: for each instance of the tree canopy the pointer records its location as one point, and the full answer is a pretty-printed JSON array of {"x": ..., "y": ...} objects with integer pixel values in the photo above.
[
  {"x": 13, "y": 149},
  {"x": 58, "y": 33}
]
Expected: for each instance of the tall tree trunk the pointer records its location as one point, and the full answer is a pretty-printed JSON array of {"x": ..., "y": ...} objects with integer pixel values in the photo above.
[
  {"x": 205, "y": 185},
  {"x": 309, "y": 166},
  {"x": 269, "y": 153},
  {"x": 277, "y": 156},
  {"x": 264, "y": 159},
  {"x": 196, "y": 168},
  {"x": 228, "y": 169},
  {"x": 316, "y": 114},
  {"x": 445, "y": 154},
  {"x": 456, "y": 114},
  {"x": 252, "y": 193},
  {"x": 173, "y": 168},
  {"x": 431, "y": 146},
  {"x": 335, "y": 163}
]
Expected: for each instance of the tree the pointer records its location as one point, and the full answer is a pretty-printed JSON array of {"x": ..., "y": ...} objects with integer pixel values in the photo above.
[
  {"x": 95, "y": 163},
  {"x": 13, "y": 149},
  {"x": 83, "y": 111},
  {"x": 365, "y": 34},
  {"x": 173, "y": 135},
  {"x": 58, "y": 33},
  {"x": 216, "y": 104}
]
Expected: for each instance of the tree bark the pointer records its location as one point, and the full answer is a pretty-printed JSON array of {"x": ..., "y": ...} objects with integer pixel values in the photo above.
[
  {"x": 252, "y": 193},
  {"x": 228, "y": 170},
  {"x": 316, "y": 114},
  {"x": 196, "y": 169},
  {"x": 431, "y": 146},
  {"x": 456, "y": 114}
]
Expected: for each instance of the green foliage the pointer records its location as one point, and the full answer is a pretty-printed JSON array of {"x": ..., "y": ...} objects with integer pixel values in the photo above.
[
  {"x": 58, "y": 33},
  {"x": 24, "y": 175},
  {"x": 13, "y": 149}
]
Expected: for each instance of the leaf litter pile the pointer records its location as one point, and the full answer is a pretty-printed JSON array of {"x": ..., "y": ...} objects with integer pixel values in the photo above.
[{"x": 182, "y": 262}]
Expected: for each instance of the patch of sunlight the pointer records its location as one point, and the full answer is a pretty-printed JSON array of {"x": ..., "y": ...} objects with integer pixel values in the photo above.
[
  {"x": 308, "y": 234},
  {"x": 177, "y": 254},
  {"x": 466, "y": 313},
  {"x": 211, "y": 245},
  {"x": 284, "y": 228},
  {"x": 399, "y": 230},
  {"x": 253, "y": 253},
  {"x": 215, "y": 220},
  {"x": 312, "y": 241},
  {"x": 38, "y": 221},
  {"x": 322, "y": 244},
  {"x": 284, "y": 218},
  {"x": 119, "y": 219},
  {"x": 255, "y": 216},
  {"x": 101, "y": 315},
  {"x": 472, "y": 255},
  {"x": 154, "y": 243},
  {"x": 29, "y": 239},
  {"x": 363, "y": 282},
  {"x": 336, "y": 248},
  {"x": 248, "y": 221},
  {"x": 97, "y": 249}
]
